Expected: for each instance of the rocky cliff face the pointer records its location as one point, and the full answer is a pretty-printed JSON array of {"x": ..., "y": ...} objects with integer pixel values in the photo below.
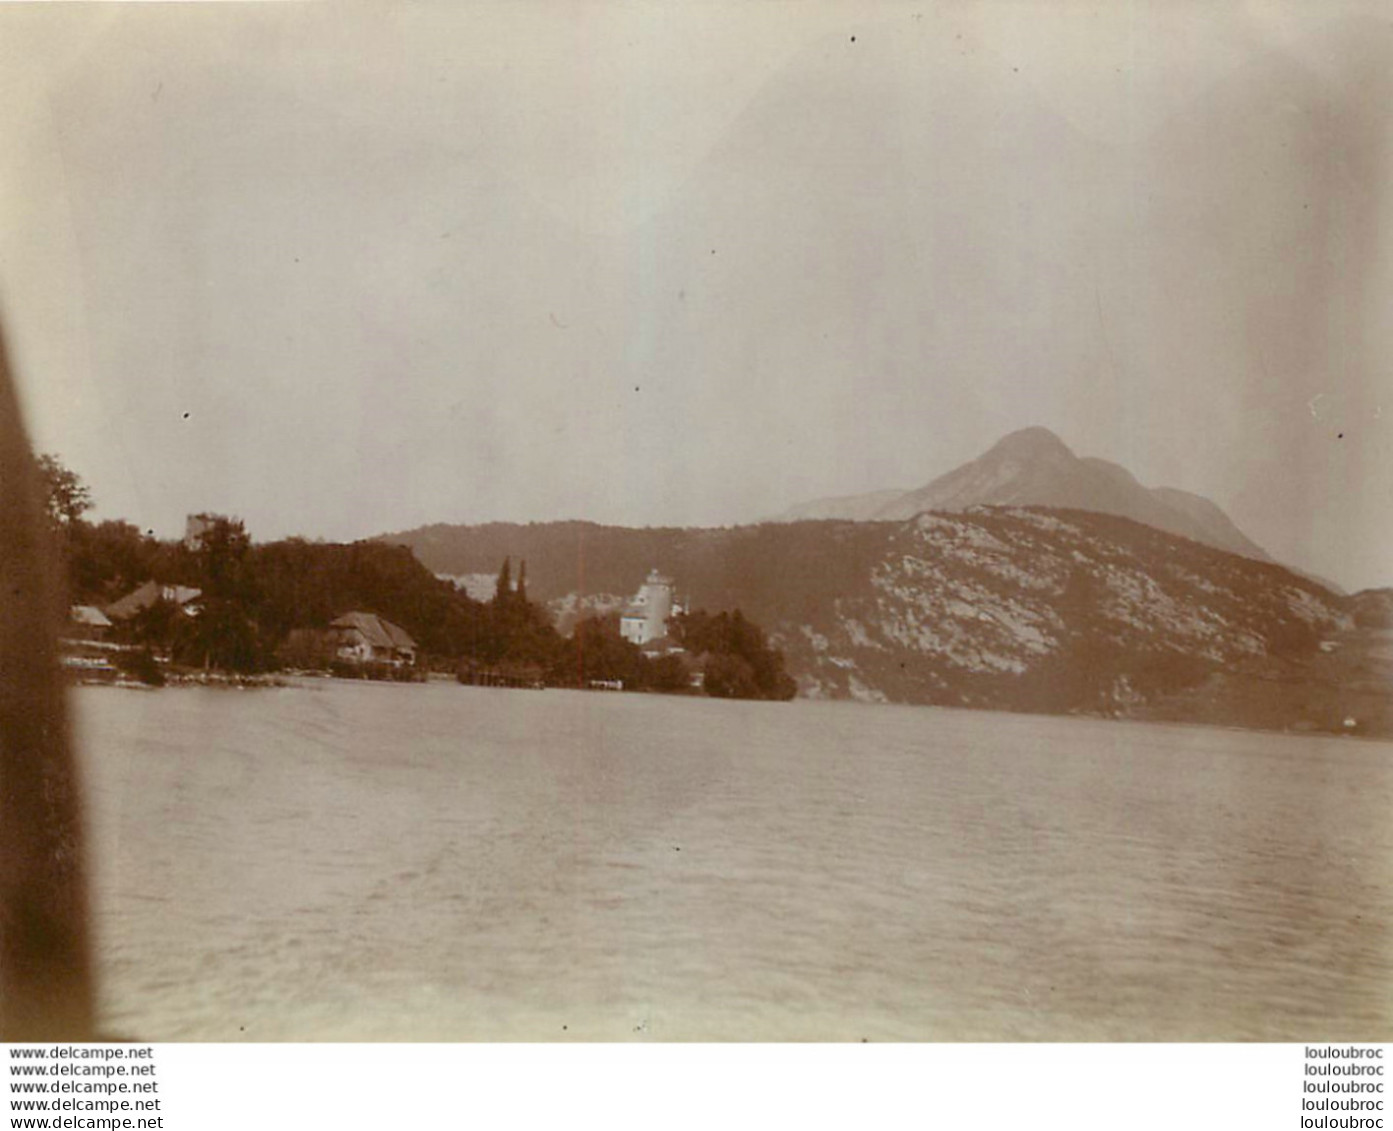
[
  {"x": 1373, "y": 608},
  {"x": 1053, "y": 610}
]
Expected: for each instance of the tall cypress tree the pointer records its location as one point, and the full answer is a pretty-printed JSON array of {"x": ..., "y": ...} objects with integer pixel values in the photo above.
[{"x": 504, "y": 589}]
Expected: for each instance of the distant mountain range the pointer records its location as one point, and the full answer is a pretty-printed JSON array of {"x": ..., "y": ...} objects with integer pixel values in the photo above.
[
  {"x": 1034, "y": 467},
  {"x": 995, "y": 607}
]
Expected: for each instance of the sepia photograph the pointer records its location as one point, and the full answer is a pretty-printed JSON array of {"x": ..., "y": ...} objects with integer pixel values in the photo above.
[{"x": 653, "y": 522}]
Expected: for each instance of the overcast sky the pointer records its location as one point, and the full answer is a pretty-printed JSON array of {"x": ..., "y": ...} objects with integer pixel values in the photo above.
[{"x": 341, "y": 271}]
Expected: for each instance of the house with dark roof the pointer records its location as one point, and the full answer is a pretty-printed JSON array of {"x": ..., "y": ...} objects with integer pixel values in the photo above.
[
  {"x": 87, "y": 622},
  {"x": 366, "y": 638},
  {"x": 182, "y": 597}
]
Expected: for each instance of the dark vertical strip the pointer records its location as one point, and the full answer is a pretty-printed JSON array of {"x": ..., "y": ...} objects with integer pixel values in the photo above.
[{"x": 45, "y": 966}]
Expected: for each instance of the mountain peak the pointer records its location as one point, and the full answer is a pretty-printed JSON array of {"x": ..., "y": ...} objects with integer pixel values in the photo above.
[
  {"x": 1032, "y": 442},
  {"x": 1034, "y": 467}
]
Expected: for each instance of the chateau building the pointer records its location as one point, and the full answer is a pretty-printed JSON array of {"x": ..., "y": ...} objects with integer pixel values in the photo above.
[{"x": 644, "y": 619}]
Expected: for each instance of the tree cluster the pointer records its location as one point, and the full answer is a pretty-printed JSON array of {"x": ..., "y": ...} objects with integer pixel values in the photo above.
[
  {"x": 730, "y": 654},
  {"x": 513, "y": 630},
  {"x": 739, "y": 663}
]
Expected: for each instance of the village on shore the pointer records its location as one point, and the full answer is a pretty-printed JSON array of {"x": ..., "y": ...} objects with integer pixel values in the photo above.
[{"x": 217, "y": 609}]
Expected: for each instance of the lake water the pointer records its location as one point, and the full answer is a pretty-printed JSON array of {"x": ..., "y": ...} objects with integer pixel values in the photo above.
[{"x": 359, "y": 861}]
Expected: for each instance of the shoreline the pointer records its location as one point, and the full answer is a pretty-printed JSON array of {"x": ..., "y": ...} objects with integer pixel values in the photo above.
[{"x": 305, "y": 680}]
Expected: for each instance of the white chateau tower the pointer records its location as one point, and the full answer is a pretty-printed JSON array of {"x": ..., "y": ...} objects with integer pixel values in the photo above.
[{"x": 645, "y": 617}]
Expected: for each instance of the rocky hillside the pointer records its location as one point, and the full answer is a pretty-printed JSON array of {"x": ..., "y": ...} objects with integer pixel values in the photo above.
[
  {"x": 1054, "y": 610},
  {"x": 1020, "y": 608},
  {"x": 1034, "y": 467},
  {"x": 1373, "y": 608}
]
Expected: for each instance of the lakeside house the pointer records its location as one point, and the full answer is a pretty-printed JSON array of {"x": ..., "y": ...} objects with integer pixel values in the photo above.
[
  {"x": 84, "y": 651},
  {"x": 366, "y": 638},
  {"x": 644, "y": 619},
  {"x": 182, "y": 597},
  {"x": 87, "y": 622}
]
